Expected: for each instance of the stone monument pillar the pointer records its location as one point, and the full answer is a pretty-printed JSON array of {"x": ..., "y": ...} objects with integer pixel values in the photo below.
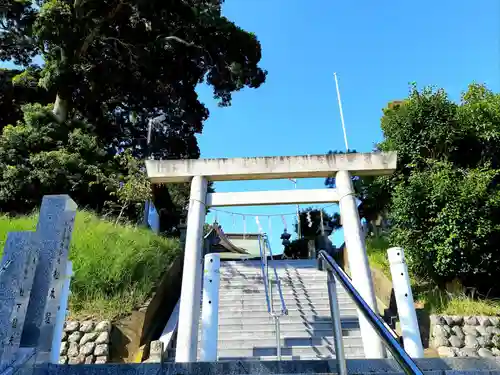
[{"x": 32, "y": 274}]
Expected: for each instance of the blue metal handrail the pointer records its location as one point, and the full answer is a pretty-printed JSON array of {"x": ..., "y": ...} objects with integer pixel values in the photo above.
[
  {"x": 264, "y": 275},
  {"x": 336, "y": 273},
  {"x": 284, "y": 310},
  {"x": 263, "y": 246}
]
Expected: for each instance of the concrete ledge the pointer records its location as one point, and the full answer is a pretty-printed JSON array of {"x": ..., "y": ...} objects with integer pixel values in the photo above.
[
  {"x": 430, "y": 366},
  {"x": 272, "y": 167},
  {"x": 262, "y": 198}
]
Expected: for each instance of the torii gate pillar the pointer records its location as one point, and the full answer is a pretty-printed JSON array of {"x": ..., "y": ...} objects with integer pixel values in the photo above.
[{"x": 189, "y": 309}]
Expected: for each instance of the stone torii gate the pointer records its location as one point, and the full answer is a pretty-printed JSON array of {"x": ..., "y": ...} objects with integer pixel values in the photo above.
[{"x": 200, "y": 171}]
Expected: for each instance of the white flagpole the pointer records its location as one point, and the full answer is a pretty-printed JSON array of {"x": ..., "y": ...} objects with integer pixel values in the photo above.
[{"x": 341, "y": 113}]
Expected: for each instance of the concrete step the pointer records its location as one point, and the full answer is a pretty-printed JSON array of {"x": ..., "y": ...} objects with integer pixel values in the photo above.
[
  {"x": 284, "y": 286},
  {"x": 286, "y": 326},
  {"x": 224, "y": 344},
  {"x": 257, "y": 274},
  {"x": 298, "y": 321},
  {"x": 286, "y": 358},
  {"x": 299, "y": 314},
  {"x": 302, "y": 298},
  {"x": 259, "y": 306},
  {"x": 306, "y": 351},
  {"x": 249, "y": 290},
  {"x": 287, "y": 277},
  {"x": 292, "y": 297},
  {"x": 315, "y": 356},
  {"x": 287, "y": 333}
]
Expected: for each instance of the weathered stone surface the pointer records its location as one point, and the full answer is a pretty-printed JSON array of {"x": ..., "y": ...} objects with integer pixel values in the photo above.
[
  {"x": 87, "y": 349},
  {"x": 441, "y": 331},
  {"x": 64, "y": 336},
  {"x": 471, "y": 342},
  {"x": 496, "y": 351},
  {"x": 89, "y": 359},
  {"x": 92, "y": 336},
  {"x": 444, "y": 351},
  {"x": 104, "y": 326},
  {"x": 18, "y": 267},
  {"x": 75, "y": 337},
  {"x": 63, "y": 360},
  {"x": 458, "y": 320},
  {"x": 467, "y": 352},
  {"x": 156, "y": 351},
  {"x": 53, "y": 233},
  {"x": 101, "y": 360},
  {"x": 483, "y": 352},
  {"x": 73, "y": 349},
  {"x": 493, "y": 330},
  {"x": 78, "y": 360},
  {"x": 471, "y": 320},
  {"x": 495, "y": 321},
  {"x": 470, "y": 330},
  {"x": 72, "y": 326},
  {"x": 457, "y": 331},
  {"x": 496, "y": 341},
  {"x": 63, "y": 348},
  {"x": 484, "y": 342},
  {"x": 437, "y": 320},
  {"x": 101, "y": 350},
  {"x": 457, "y": 342},
  {"x": 482, "y": 331},
  {"x": 103, "y": 338},
  {"x": 484, "y": 321},
  {"x": 449, "y": 320},
  {"x": 440, "y": 341},
  {"x": 87, "y": 326}
]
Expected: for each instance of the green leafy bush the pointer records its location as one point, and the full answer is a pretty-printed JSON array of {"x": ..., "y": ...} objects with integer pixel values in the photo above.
[{"x": 447, "y": 220}]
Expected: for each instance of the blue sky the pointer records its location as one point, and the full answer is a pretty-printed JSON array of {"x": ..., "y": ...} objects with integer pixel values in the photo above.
[{"x": 376, "y": 48}]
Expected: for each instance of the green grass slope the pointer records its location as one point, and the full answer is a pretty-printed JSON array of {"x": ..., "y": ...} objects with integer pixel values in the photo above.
[{"x": 115, "y": 267}]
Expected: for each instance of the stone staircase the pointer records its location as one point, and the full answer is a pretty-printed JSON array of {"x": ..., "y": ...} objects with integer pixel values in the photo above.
[{"x": 247, "y": 332}]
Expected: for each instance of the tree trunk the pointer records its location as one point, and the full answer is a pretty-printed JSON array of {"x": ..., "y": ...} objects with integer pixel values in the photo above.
[{"x": 60, "y": 109}]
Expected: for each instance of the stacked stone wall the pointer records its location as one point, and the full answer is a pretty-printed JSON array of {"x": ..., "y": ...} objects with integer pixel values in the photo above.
[
  {"x": 85, "y": 342},
  {"x": 466, "y": 336}
]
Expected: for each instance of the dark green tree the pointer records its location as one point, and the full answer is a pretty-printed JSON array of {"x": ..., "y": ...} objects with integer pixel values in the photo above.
[
  {"x": 118, "y": 63},
  {"x": 310, "y": 222},
  {"x": 114, "y": 65},
  {"x": 310, "y": 229},
  {"x": 18, "y": 87},
  {"x": 444, "y": 197}
]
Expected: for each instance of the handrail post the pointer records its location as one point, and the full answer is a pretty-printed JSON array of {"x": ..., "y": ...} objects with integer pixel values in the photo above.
[
  {"x": 404, "y": 301},
  {"x": 336, "y": 324},
  {"x": 210, "y": 308},
  {"x": 278, "y": 336}
]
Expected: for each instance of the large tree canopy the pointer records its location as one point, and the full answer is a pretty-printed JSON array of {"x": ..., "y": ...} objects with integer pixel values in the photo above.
[
  {"x": 109, "y": 66},
  {"x": 444, "y": 199},
  {"x": 117, "y": 62}
]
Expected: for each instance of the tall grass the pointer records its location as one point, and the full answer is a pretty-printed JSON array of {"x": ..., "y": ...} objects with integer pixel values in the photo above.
[
  {"x": 115, "y": 267},
  {"x": 425, "y": 293}
]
